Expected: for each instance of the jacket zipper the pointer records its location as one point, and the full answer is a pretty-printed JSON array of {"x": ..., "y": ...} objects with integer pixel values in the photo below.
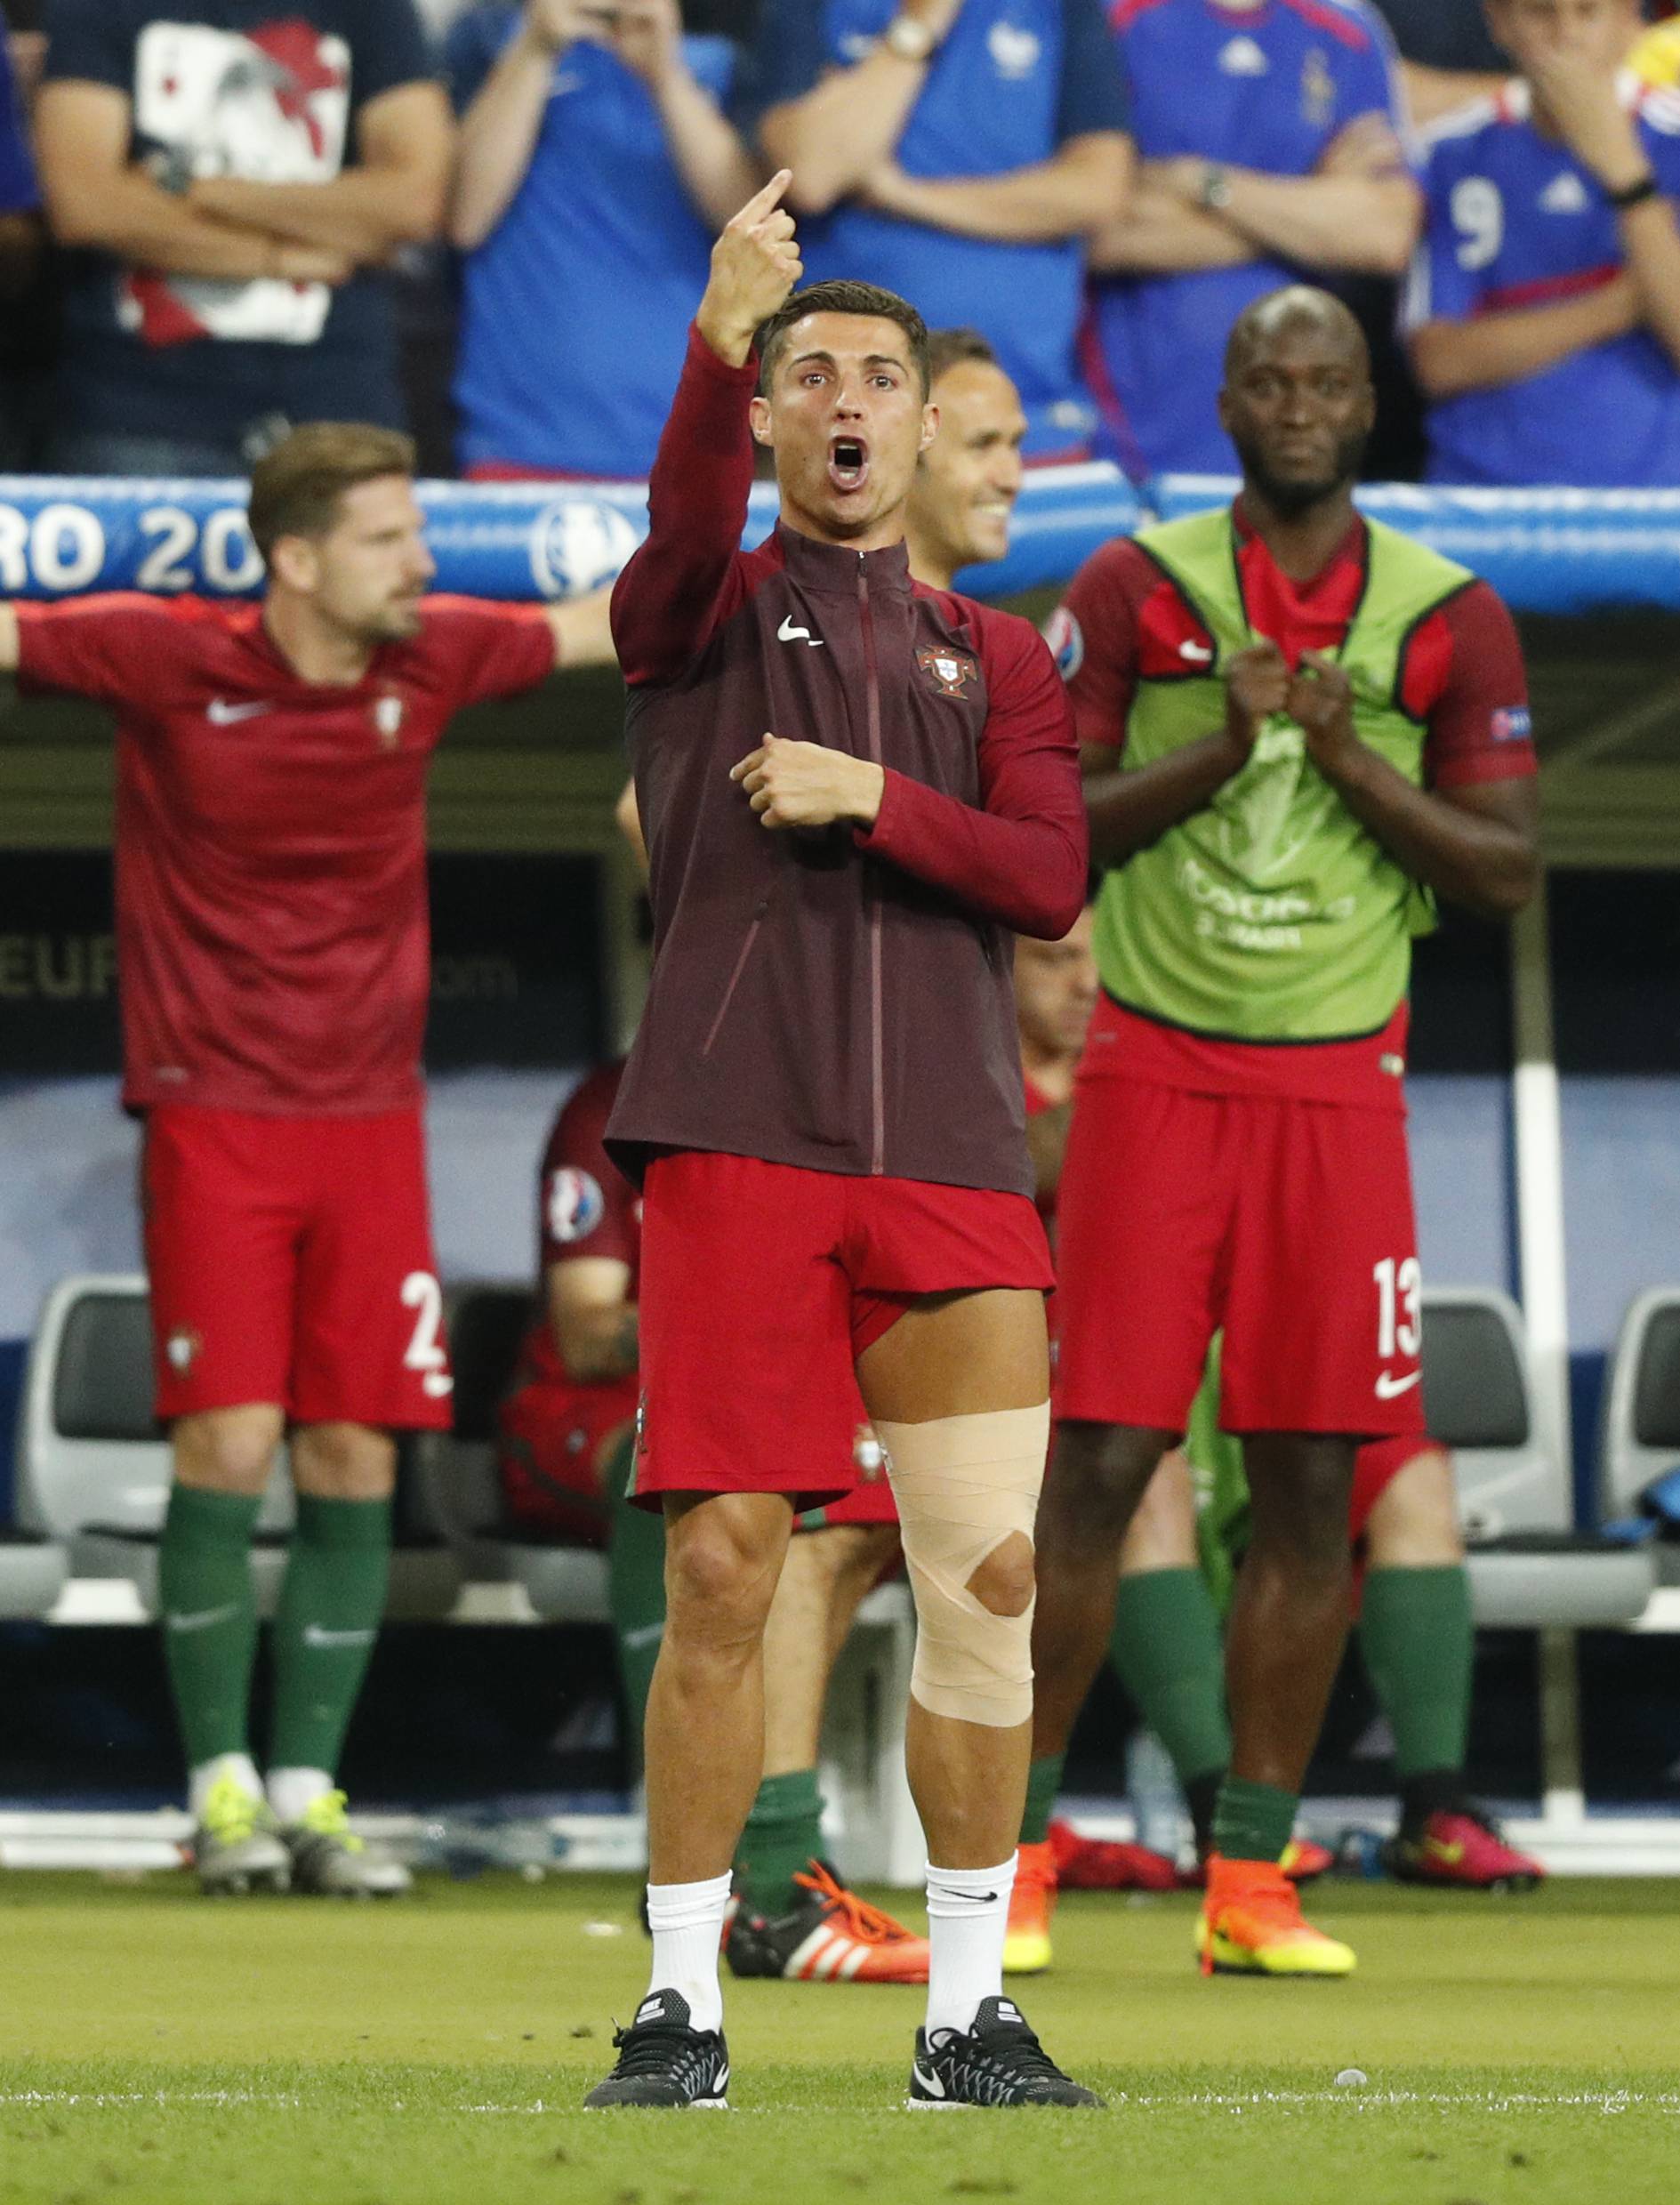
[
  {"x": 735, "y": 977},
  {"x": 872, "y": 692}
]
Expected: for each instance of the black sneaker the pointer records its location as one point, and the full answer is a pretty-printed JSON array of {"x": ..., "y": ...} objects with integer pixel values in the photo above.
[
  {"x": 999, "y": 2062},
  {"x": 661, "y": 2061}
]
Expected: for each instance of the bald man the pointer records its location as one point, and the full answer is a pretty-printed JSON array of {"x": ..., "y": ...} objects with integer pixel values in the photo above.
[{"x": 1298, "y": 727}]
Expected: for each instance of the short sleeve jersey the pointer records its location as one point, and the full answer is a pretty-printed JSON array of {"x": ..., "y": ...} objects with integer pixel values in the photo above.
[
  {"x": 273, "y": 949},
  {"x": 1515, "y": 220},
  {"x": 1461, "y": 675},
  {"x": 588, "y": 1208},
  {"x": 19, "y": 192},
  {"x": 247, "y": 88},
  {"x": 1011, "y": 84},
  {"x": 1269, "y": 88},
  {"x": 575, "y": 308}
]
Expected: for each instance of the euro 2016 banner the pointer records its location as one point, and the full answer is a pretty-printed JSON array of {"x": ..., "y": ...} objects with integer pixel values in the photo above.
[{"x": 1545, "y": 550}]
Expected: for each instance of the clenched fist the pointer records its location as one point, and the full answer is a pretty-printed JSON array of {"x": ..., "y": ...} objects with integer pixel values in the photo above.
[
  {"x": 807, "y": 785},
  {"x": 755, "y": 264},
  {"x": 1257, "y": 684},
  {"x": 1321, "y": 703}
]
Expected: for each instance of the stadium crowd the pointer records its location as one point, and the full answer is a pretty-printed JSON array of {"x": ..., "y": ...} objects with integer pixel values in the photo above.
[
  {"x": 486, "y": 221},
  {"x": 225, "y": 207}
]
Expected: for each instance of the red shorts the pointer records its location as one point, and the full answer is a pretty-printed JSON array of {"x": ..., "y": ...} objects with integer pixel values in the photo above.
[
  {"x": 1375, "y": 1468},
  {"x": 1289, "y": 1223},
  {"x": 550, "y": 1443},
  {"x": 761, "y": 1285},
  {"x": 291, "y": 1261}
]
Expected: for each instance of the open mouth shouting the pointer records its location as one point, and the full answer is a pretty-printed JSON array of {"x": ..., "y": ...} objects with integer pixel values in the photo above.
[{"x": 848, "y": 462}]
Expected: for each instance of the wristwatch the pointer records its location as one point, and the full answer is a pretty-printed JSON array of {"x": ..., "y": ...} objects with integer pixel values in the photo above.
[
  {"x": 1215, "y": 194},
  {"x": 910, "y": 38}
]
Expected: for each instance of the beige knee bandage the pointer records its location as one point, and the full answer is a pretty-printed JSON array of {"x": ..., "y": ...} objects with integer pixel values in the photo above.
[{"x": 963, "y": 1484}]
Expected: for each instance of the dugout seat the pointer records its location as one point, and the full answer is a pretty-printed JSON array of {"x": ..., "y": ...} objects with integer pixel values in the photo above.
[
  {"x": 93, "y": 1466},
  {"x": 1530, "y": 1569},
  {"x": 456, "y": 1484},
  {"x": 1639, "y": 1429}
]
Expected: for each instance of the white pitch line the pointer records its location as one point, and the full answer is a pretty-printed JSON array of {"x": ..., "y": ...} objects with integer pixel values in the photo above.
[{"x": 1355, "y": 2100}]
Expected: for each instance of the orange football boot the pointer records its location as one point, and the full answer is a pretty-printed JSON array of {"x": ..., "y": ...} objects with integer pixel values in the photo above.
[
  {"x": 1251, "y": 1924},
  {"x": 1026, "y": 1942}
]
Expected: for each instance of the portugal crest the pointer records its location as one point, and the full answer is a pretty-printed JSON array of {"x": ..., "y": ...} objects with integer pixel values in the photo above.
[{"x": 950, "y": 671}]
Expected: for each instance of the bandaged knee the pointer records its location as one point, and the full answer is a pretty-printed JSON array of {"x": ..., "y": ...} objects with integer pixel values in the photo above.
[{"x": 964, "y": 1485}]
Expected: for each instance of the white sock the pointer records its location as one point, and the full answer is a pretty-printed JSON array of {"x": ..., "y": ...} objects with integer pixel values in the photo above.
[
  {"x": 687, "y": 1919},
  {"x": 293, "y": 1791},
  {"x": 968, "y": 1913},
  {"x": 240, "y": 1767}
]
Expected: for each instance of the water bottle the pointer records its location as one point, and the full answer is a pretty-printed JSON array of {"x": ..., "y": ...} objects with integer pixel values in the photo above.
[
  {"x": 1157, "y": 1803},
  {"x": 465, "y": 1842}
]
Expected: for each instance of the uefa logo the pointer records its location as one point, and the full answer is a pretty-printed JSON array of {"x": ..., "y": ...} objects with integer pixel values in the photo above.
[{"x": 577, "y": 544}]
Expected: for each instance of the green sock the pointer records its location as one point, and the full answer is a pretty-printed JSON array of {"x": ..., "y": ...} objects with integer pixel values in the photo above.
[
  {"x": 331, "y": 1605},
  {"x": 1167, "y": 1652},
  {"x": 635, "y": 1589},
  {"x": 209, "y": 1616},
  {"x": 783, "y": 1834},
  {"x": 1043, "y": 1782},
  {"x": 1419, "y": 1641},
  {"x": 1252, "y": 1822}
]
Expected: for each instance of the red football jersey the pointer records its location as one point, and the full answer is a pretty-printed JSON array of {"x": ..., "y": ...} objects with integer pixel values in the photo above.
[
  {"x": 272, "y": 929},
  {"x": 588, "y": 1208}
]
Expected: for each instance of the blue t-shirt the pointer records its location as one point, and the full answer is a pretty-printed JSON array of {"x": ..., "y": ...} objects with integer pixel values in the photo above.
[
  {"x": 267, "y": 90},
  {"x": 1013, "y": 82},
  {"x": 1514, "y": 220},
  {"x": 1268, "y": 88},
  {"x": 19, "y": 193},
  {"x": 575, "y": 309}
]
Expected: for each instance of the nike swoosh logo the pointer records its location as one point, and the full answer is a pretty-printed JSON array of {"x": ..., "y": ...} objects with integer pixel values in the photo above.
[
  {"x": 201, "y": 1619},
  {"x": 931, "y": 2083},
  {"x": 1449, "y": 1856},
  {"x": 789, "y": 633},
  {"x": 1197, "y": 653},
  {"x": 317, "y": 1635},
  {"x": 980, "y": 1898},
  {"x": 1388, "y": 1387},
  {"x": 222, "y": 714}
]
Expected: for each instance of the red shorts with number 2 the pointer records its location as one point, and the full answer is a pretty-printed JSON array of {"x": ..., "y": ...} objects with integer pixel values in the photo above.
[
  {"x": 1289, "y": 1223},
  {"x": 291, "y": 1261}
]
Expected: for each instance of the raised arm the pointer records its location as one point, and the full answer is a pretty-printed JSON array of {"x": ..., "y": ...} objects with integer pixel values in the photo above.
[
  {"x": 393, "y": 195},
  {"x": 583, "y": 630},
  {"x": 499, "y": 130},
  {"x": 716, "y": 170},
  {"x": 1605, "y": 137},
  {"x": 1083, "y": 185},
  {"x": 674, "y": 590},
  {"x": 97, "y": 199},
  {"x": 845, "y": 126}
]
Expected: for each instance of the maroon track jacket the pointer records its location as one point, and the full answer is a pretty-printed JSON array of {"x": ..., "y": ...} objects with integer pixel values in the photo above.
[{"x": 836, "y": 999}]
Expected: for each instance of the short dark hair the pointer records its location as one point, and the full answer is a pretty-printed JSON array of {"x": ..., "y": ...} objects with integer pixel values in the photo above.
[
  {"x": 296, "y": 488},
  {"x": 842, "y": 295},
  {"x": 957, "y": 348}
]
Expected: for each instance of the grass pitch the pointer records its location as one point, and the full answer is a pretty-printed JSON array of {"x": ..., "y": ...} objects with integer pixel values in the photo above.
[{"x": 159, "y": 2048}]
